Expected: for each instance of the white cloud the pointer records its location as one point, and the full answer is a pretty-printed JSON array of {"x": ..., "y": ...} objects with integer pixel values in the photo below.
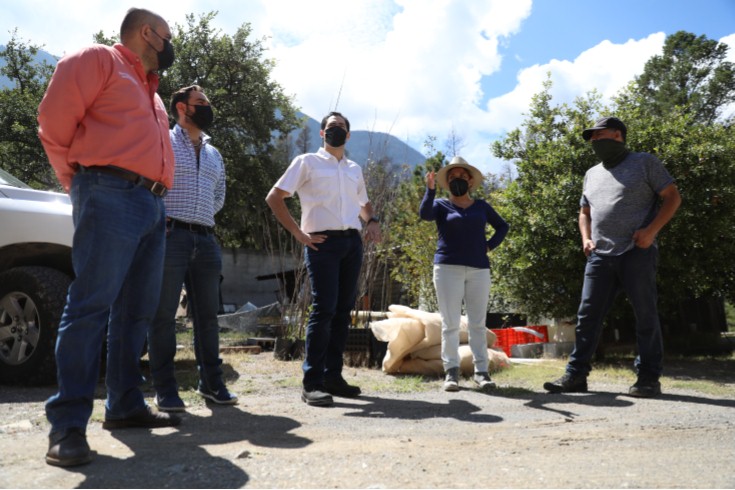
[
  {"x": 606, "y": 67},
  {"x": 729, "y": 111},
  {"x": 415, "y": 70},
  {"x": 409, "y": 67},
  {"x": 730, "y": 41}
]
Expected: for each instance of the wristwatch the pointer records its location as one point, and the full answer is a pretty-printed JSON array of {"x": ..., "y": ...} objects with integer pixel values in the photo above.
[{"x": 373, "y": 219}]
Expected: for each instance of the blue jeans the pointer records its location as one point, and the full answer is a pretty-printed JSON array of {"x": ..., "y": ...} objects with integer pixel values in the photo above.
[
  {"x": 193, "y": 259},
  {"x": 635, "y": 273},
  {"x": 333, "y": 272},
  {"x": 117, "y": 254}
]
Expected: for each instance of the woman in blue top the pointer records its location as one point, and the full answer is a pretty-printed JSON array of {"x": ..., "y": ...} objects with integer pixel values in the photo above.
[{"x": 461, "y": 265}]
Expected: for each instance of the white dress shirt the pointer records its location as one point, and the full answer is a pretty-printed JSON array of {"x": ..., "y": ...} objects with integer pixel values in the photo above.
[{"x": 331, "y": 192}]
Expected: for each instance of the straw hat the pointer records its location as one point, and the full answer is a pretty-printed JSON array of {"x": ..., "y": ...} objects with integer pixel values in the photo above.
[{"x": 441, "y": 175}]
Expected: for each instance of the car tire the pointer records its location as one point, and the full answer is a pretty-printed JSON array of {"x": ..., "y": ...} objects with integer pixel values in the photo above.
[{"x": 31, "y": 303}]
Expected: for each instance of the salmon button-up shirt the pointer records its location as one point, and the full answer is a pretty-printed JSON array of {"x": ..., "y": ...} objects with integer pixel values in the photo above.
[{"x": 101, "y": 108}]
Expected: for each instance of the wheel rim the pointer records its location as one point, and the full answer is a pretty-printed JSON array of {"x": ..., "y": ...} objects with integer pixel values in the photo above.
[{"x": 19, "y": 328}]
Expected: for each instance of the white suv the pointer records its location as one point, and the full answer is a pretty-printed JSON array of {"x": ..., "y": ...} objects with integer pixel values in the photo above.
[{"x": 35, "y": 272}]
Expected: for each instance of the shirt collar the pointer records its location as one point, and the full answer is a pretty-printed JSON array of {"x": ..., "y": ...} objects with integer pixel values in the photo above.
[
  {"x": 325, "y": 154},
  {"x": 181, "y": 133}
]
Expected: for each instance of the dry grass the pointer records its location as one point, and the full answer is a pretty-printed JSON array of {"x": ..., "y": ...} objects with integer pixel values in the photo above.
[{"x": 261, "y": 373}]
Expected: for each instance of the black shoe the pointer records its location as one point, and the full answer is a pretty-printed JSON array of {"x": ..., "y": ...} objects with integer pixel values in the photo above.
[
  {"x": 339, "y": 387},
  {"x": 645, "y": 387},
  {"x": 68, "y": 448},
  {"x": 483, "y": 381},
  {"x": 317, "y": 397},
  {"x": 569, "y": 383},
  {"x": 144, "y": 418}
]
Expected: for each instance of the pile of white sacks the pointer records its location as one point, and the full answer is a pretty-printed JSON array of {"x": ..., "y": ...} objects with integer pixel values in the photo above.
[{"x": 414, "y": 343}]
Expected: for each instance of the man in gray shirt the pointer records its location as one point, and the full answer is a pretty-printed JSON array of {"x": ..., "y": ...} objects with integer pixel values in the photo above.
[{"x": 619, "y": 219}]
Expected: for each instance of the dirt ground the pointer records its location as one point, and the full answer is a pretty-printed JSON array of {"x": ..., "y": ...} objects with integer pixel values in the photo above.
[{"x": 512, "y": 438}]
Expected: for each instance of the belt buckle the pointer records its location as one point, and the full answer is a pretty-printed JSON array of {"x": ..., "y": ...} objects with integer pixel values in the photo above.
[{"x": 158, "y": 189}]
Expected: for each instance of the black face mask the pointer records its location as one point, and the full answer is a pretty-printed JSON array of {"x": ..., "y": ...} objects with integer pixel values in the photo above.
[
  {"x": 611, "y": 152},
  {"x": 166, "y": 55},
  {"x": 335, "y": 136},
  {"x": 459, "y": 187},
  {"x": 203, "y": 116}
]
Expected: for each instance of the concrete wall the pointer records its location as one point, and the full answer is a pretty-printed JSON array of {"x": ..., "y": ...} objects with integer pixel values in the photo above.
[{"x": 240, "y": 269}]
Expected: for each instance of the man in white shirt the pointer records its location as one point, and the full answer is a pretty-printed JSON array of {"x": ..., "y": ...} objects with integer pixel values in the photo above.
[{"x": 333, "y": 198}]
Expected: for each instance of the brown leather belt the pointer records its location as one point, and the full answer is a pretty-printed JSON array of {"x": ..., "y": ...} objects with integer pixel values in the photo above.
[{"x": 156, "y": 188}]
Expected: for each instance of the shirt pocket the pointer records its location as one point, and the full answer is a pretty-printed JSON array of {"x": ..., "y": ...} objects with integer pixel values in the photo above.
[
  {"x": 352, "y": 181},
  {"x": 324, "y": 183}
]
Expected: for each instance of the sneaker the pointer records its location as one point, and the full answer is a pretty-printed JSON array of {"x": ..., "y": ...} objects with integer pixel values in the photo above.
[
  {"x": 316, "y": 396},
  {"x": 170, "y": 403},
  {"x": 451, "y": 381},
  {"x": 645, "y": 387},
  {"x": 144, "y": 418},
  {"x": 340, "y": 387},
  {"x": 569, "y": 383},
  {"x": 68, "y": 448},
  {"x": 221, "y": 397},
  {"x": 483, "y": 381}
]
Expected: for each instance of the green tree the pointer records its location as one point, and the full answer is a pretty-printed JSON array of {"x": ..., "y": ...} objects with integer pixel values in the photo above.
[
  {"x": 697, "y": 147},
  {"x": 412, "y": 241},
  {"x": 691, "y": 75},
  {"x": 250, "y": 108},
  {"x": 538, "y": 269},
  {"x": 21, "y": 152}
]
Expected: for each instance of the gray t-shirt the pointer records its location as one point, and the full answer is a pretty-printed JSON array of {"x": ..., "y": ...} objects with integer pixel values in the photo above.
[{"x": 622, "y": 200}]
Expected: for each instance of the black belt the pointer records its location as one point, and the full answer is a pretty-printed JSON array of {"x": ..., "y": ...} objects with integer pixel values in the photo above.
[
  {"x": 174, "y": 223},
  {"x": 157, "y": 188},
  {"x": 348, "y": 232}
]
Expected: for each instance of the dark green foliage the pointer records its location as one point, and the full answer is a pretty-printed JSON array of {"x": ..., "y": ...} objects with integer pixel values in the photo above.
[
  {"x": 671, "y": 111},
  {"x": 249, "y": 109},
  {"x": 691, "y": 75},
  {"x": 21, "y": 152}
]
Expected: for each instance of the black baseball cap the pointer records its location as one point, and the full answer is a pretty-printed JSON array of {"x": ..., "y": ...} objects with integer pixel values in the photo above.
[{"x": 606, "y": 123}]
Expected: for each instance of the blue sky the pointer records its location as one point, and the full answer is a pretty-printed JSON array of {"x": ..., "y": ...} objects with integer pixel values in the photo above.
[{"x": 415, "y": 68}]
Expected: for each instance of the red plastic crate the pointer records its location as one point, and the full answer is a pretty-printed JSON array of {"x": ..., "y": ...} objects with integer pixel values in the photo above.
[{"x": 520, "y": 335}]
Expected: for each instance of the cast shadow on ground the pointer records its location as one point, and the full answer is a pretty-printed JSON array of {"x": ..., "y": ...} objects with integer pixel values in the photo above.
[
  {"x": 179, "y": 457},
  {"x": 377, "y": 407},
  {"x": 541, "y": 401}
]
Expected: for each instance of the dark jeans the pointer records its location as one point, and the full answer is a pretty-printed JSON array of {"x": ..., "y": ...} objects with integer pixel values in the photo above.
[
  {"x": 333, "y": 271},
  {"x": 635, "y": 273},
  {"x": 117, "y": 255},
  {"x": 193, "y": 259}
]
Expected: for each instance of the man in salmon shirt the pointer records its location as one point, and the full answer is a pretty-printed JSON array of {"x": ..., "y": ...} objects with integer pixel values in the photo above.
[{"x": 105, "y": 131}]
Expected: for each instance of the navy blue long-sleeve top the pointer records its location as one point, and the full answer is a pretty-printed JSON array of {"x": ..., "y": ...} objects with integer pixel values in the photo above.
[{"x": 462, "y": 238}]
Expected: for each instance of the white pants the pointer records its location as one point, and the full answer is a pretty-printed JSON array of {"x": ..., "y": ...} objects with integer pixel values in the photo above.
[{"x": 454, "y": 283}]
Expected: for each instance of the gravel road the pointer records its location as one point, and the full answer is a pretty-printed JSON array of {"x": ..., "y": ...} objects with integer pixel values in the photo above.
[{"x": 513, "y": 438}]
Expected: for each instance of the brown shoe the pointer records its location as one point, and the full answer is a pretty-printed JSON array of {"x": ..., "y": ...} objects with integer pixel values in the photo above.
[
  {"x": 144, "y": 418},
  {"x": 68, "y": 448}
]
